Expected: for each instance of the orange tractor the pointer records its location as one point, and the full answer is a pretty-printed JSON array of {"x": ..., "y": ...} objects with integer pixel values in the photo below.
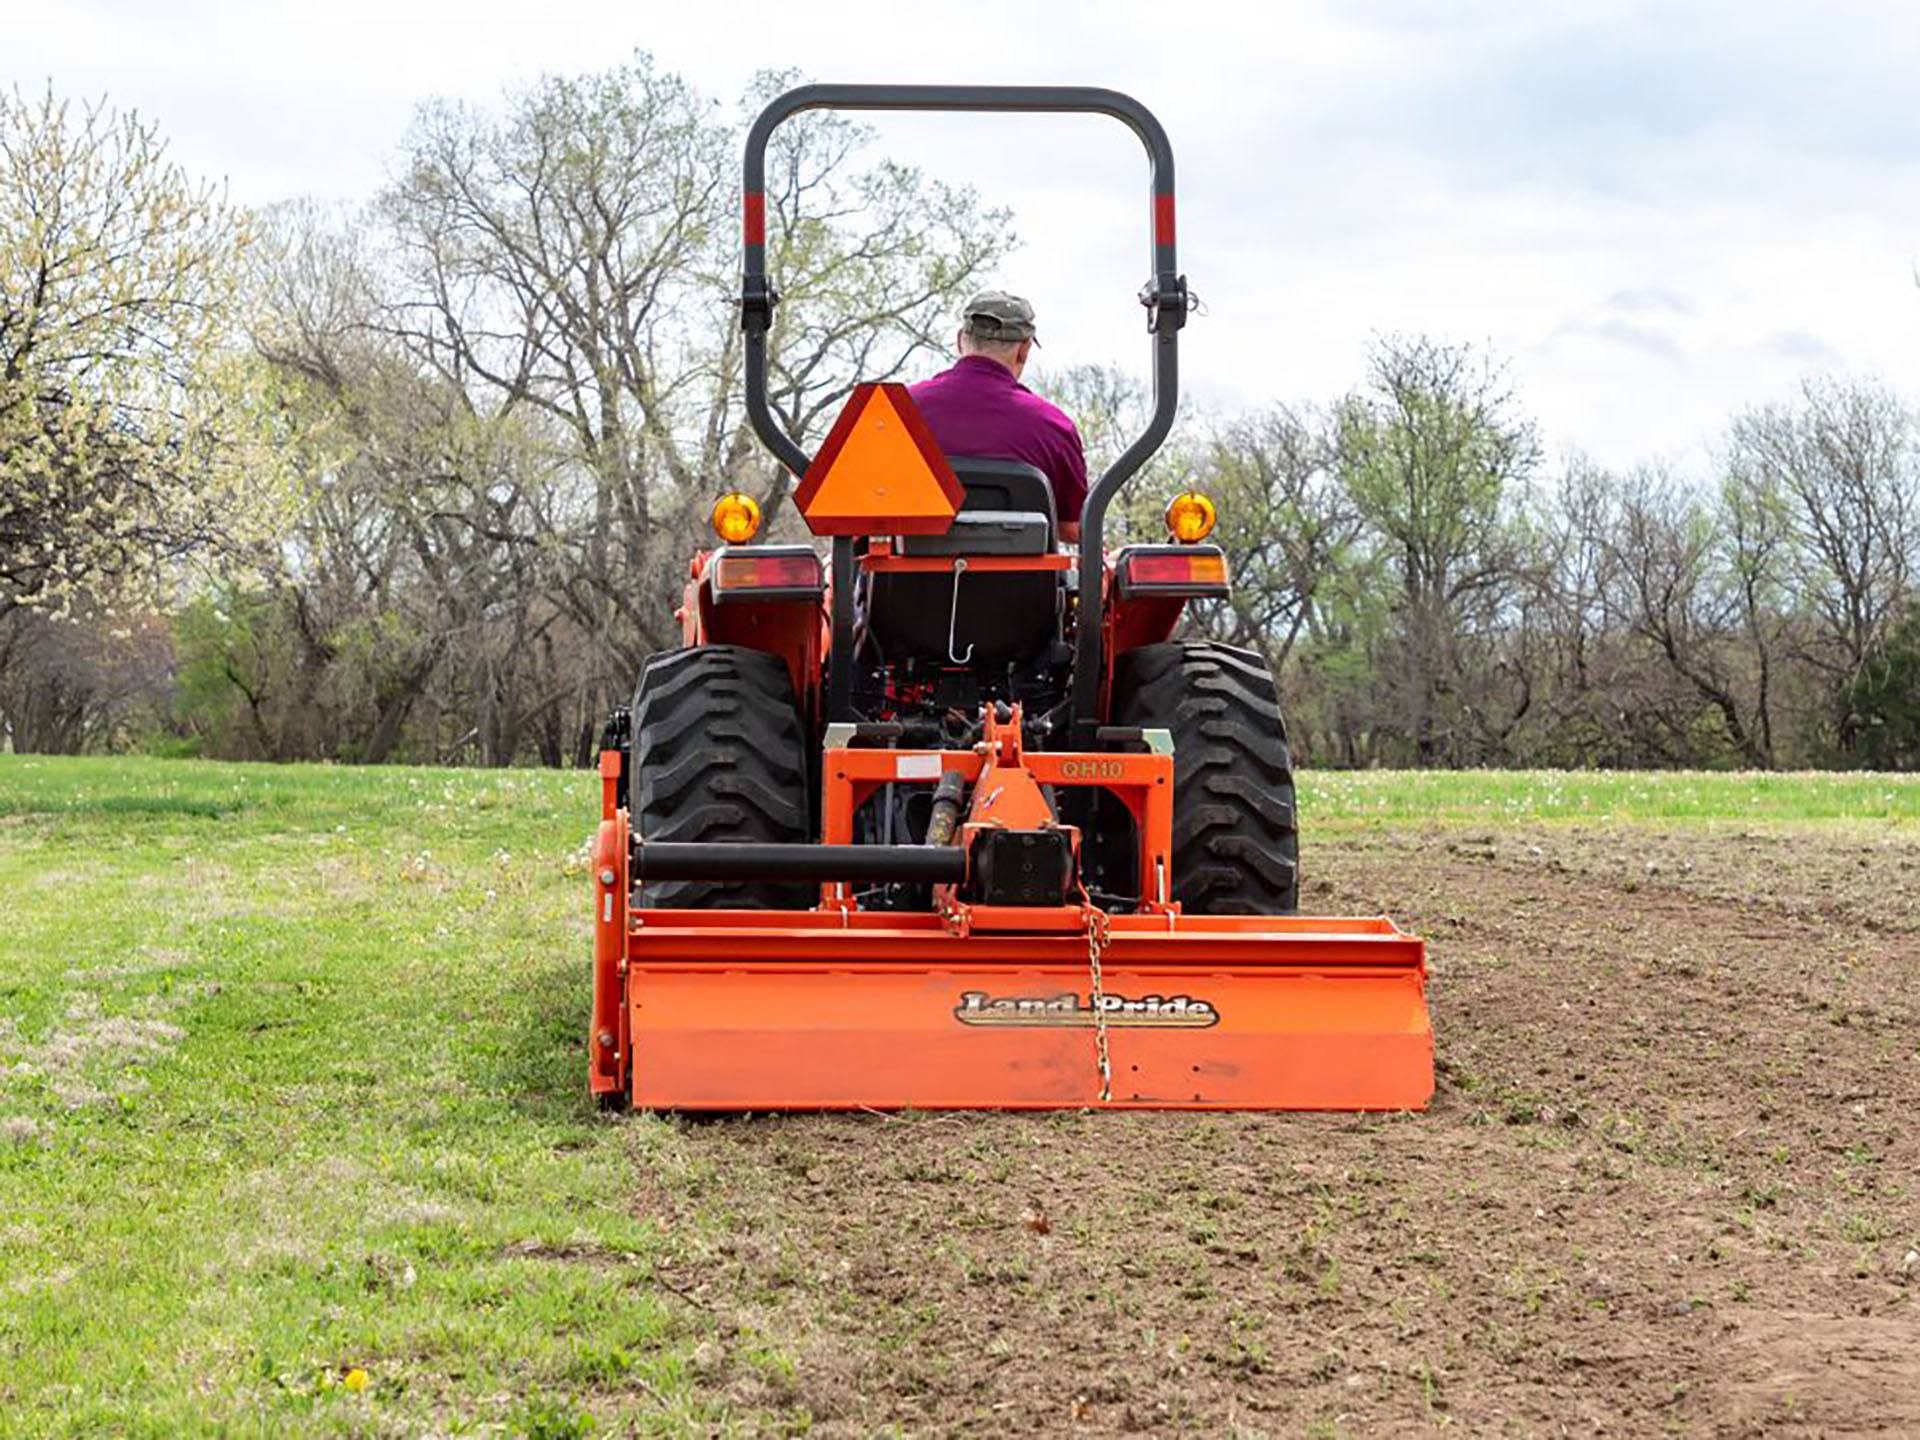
[{"x": 953, "y": 820}]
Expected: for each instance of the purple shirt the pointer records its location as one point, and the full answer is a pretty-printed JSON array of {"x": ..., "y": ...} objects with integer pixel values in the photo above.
[{"x": 978, "y": 408}]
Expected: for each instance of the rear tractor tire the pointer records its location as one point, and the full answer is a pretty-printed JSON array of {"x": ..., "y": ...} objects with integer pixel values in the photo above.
[
  {"x": 1236, "y": 848},
  {"x": 719, "y": 754}
]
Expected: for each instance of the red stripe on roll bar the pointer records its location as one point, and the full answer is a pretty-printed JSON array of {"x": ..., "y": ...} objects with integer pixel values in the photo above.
[
  {"x": 755, "y": 217},
  {"x": 1163, "y": 219}
]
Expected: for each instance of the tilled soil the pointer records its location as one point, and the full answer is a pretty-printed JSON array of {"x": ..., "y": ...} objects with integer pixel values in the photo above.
[{"x": 1668, "y": 1183}]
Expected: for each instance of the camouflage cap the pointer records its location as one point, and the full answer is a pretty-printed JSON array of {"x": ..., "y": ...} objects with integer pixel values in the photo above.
[{"x": 996, "y": 315}]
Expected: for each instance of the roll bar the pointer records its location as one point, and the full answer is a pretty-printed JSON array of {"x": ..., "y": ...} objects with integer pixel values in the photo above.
[{"x": 1165, "y": 296}]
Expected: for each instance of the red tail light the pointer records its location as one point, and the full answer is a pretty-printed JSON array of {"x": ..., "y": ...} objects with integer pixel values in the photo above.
[
  {"x": 1195, "y": 571},
  {"x": 788, "y": 572}
]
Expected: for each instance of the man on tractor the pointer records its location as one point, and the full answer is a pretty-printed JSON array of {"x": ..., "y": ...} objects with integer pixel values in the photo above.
[
  {"x": 922, "y": 829},
  {"x": 979, "y": 407}
]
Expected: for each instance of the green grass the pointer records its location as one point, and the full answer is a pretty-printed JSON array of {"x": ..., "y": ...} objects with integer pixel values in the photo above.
[
  {"x": 291, "y": 1086},
  {"x": 1528, "y": 796}
]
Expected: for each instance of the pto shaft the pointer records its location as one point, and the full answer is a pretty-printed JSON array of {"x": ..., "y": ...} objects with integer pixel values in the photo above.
[{"x": 823, "y": 864}]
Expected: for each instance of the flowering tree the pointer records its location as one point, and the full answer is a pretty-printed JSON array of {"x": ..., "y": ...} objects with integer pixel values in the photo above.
[{"x": 131, "y": 428}]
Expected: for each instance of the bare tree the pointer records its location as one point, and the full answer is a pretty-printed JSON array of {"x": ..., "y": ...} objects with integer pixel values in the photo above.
[
  {"x": 1288, "y": 525},
  {"x": 1841, "y": 463},
  {"x": 504, "y": 392},
  {"x": 1666, "y": 555},
  {"x": 1431, "y": 453},
  {"x": 573, "y": 258},
  {"x": 512, "y": 387},
  {"x": 1756, "y": 554},
  {"x": 85, "y": 682},
  {"x": 1576, "y": 528},
  {"x": 1109, "y": 406}
]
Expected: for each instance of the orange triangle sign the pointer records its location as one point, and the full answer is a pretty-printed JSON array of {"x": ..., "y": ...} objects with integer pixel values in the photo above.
[{"x": 880, "y": 472}]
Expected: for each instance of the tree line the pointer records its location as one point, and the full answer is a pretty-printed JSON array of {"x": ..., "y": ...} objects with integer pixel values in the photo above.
[{"x": 418, "y": 479}]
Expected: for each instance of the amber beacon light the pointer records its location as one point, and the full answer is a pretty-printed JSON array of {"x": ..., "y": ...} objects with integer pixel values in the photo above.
[
  {"x": 736, "y": 517},
  {"x": 1190, "y": 517}
]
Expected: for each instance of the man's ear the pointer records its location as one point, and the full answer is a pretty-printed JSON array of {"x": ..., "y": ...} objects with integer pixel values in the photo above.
[{"x": 1026, "y": 349}]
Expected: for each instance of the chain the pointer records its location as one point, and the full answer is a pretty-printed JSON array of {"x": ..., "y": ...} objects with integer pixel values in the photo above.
[{"x": 1096, "y": 921}]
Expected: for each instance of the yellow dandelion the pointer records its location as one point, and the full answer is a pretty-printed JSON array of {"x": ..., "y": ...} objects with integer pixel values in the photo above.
[{"x": 355, "y": 1379}]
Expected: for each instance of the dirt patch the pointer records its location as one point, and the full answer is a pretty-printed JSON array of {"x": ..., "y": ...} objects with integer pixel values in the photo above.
[
  {"x": 567, "y": 1253},
  {"x": 1864, "y": 875},
  {"x": 88, "y": 1058},
  {"x": 1826, "y": 1373},
  {"x": 1668, "y": 1183}
]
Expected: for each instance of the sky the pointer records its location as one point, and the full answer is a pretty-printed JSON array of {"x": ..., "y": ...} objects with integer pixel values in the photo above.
[{"x": 1656, "y": 214}]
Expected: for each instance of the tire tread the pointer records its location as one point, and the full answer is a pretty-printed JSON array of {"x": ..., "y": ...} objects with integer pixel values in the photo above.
[
  {"x": 1236, "y": 845},
  {"x": 719, "y": 755}
]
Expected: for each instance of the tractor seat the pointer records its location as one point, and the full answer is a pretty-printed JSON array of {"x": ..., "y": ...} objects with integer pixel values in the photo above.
[
  {"x": 1008, "y": 510},
  {"x": 1004, "y": 617}
]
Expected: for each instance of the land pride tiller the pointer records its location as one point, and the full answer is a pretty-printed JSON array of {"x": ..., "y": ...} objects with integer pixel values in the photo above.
[{"x": 953, "y": 821}]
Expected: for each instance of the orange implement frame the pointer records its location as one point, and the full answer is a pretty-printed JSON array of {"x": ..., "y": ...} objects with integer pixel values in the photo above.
[
  {"x": 820, "y": 1010},
  {"x": 999, "y": 1007}
]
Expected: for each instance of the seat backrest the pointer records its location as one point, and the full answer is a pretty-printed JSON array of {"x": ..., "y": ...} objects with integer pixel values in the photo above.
[
  {"x": 1004, "y": 485},
  {"x": 1001, "y": 617},
  {"x": 1008, "y": 510}
]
